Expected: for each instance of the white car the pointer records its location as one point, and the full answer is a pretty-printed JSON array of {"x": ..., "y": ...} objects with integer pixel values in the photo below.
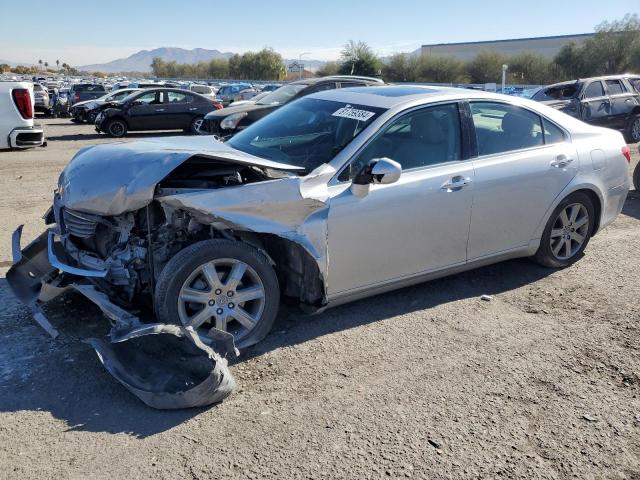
[
  {"x": 204, "y": 90},
  {"x": 17, "y": 129}
]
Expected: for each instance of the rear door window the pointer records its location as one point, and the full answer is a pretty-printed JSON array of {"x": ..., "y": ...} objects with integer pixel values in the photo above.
[
  {"x": 503, "y": 128},
  {"x": 615, "y": 87},
  {"x": 594, "y": 90},
  {"x": 552, "y": 134},
  {"x": 178, "y": 97}
]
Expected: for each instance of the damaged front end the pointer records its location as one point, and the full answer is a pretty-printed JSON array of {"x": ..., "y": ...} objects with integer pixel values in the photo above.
[{"x": 122, "y": 211}]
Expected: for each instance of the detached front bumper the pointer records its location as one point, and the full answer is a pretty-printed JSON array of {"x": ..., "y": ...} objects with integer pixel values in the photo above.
[{"x": 166, "y": 366}]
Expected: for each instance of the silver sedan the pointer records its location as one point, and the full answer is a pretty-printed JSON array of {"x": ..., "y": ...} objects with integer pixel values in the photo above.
[{"x": 334, "y": 197}]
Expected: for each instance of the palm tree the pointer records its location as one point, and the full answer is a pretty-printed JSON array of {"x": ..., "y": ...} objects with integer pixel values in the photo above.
[
  {"x": 40, "y": 62},
  {"x": 46, "y": 65},
  {"x": 58, "y": 64}
]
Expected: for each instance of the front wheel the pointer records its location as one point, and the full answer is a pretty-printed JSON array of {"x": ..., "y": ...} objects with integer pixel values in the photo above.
[
  {"x": 116, "y": 128},
  {"x": 567, "y": 232},
  {"x": 223, "y": 284},
  {"x": 636, "y": 177}
]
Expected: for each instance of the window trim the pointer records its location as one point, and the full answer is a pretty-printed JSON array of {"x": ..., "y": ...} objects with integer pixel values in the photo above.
[
  {"x": 623, "y": 87},
  {"x": 466, "y": 154},
  {"x": 542, "y": 117},
  {"x": 583, "y": 95}
]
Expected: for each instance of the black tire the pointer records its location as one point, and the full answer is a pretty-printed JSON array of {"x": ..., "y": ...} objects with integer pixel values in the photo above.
[
  {"x": 632, "y": 132},
  {"x": 116, "y": 128},
  {"x": 636, "y": 177},
  {"x": 184, "y": 263},
  {"x": 545, "y": 256},
  {"x": 193, "y": 126},
  {"x": 91, "y": 117}
]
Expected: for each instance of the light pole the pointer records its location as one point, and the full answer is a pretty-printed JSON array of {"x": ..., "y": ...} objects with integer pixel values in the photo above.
[
  {"x": 300, "y": 66},
  {"x": 504, "y": 75}
]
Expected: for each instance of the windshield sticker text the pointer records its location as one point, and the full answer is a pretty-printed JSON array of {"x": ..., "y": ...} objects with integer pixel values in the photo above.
[{"x": 353, "y": 113}]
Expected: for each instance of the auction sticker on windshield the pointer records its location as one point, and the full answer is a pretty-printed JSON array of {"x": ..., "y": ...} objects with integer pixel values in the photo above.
[{"x": 353, "y": 113}]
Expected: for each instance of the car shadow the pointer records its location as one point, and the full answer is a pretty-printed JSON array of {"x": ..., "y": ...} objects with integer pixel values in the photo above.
[
  {"x": 631, "y": 206},
  {"x": 67, "y": 380},
  {"x": 94, "y": 135}
]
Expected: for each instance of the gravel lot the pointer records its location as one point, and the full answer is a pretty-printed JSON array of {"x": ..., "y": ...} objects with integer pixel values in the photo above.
[{"x": 543, "y": 381}]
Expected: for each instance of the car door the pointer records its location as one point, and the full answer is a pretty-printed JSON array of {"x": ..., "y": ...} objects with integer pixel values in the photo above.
[
  {"x": 146, "y": 110},
  {"x": 416, "y": 225},
  {"x": 622, "y": 103},
  {"x": 179, "y": 110},
  {"x": 595, "y": 104},
  {"x": 523, "y": 163}
]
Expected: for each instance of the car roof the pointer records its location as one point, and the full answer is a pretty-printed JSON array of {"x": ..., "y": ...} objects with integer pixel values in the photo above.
[
  {"x": 587, "y": 79},
  {"x": 337, "y": 78},
  {"x": 388, "y": 96}
]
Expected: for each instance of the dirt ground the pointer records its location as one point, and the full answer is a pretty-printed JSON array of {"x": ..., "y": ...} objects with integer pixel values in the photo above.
[{"x": 430, "y": 382}]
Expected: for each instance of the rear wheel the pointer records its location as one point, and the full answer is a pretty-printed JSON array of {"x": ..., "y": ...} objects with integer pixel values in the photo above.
[
  {"x": 567, "y": 232},
  {"x": 636, "y": 177},
  {"x": 632, "y": 134},
  {"x": 116, "y": 128},
  {"x": 196, "y": 125},
  {"x": 223, "y": 284}
]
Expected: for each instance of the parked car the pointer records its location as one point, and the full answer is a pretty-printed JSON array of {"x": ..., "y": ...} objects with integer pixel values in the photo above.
[
  {"x": 205, "y": 91},
  {"x": 232, "y": 119},
  {"x": 269, "y": 87},
  {"x": 636, "y": 175},
  {"x": 41, "y": 98},
  {"x": 88, "y": 110},
  {"x": 238, "y": 91},
  {"x": 17, "y": 129},
  {"x": 611, "y": 101},
  {"x": 79, "y": 92},
  {"x": 154, "y": 109},
  {"x": 334, "y": 197}
]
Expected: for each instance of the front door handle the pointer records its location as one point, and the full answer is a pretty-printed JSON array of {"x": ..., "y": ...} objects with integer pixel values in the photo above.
[
  {"x": 159, "y": 109},
  {"x": 456, "y": 183},
  {"x": 561, "y": 161},
  {"x": 193, "y": 109}
]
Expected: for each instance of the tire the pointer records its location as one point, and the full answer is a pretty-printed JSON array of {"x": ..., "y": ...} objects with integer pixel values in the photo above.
[
  {"x": 636, "y": 177},
  {"x": 195, "y": 125},
  {"x": 184, "y": 276},
  {"x": 116, "y": 128},
  {"x": 562, "y": 251},
  {"x": 91, "y": 117},
  {"x": 632, "y": 132}
]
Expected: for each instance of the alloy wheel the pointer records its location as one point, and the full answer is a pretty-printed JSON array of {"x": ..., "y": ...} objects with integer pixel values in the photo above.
[
  {"x": 224, "y": 293},
  {"x": 569, "y": 231},
  {"x": 635, "y": 130},
  {"x": 116, "y": 129},
  {"x": 197, "y": 125}
]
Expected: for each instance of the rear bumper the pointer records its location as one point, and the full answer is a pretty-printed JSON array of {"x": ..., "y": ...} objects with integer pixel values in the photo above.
[{"x": 26, "y": 137}]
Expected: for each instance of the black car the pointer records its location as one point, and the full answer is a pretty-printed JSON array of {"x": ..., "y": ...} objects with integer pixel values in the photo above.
[
  {"x": 154, "y": 109},
  {"x": 88, "y": 110},
  {"x": 229, "y": 120},
  {"x": 611, "y": 101}
]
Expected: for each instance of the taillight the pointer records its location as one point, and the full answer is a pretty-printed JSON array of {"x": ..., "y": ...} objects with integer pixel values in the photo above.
[
  {"x": 77, "y": 97},
  {"x": 217, "y": 106},
  {"x": 626, "y": 151},
  {"x": 22, "y": 99}
]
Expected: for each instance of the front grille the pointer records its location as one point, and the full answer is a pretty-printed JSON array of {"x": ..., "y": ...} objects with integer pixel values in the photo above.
[{"x": 79, "y": 224}]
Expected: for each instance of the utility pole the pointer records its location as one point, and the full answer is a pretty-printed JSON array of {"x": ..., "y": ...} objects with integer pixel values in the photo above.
[
  {"x": 504, "y": 76},
  {"x": 300, "y": 65}
]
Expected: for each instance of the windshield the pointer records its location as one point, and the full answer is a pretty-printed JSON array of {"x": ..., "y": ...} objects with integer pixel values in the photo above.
[
  {"x": 559, "y": 92},
  {"x": 305, "y": 133},
  {"x": 282, "y": 95}
]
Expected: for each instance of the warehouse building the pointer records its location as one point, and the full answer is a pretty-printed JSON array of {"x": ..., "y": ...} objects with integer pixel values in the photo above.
[{"x": 545, "y": 46}]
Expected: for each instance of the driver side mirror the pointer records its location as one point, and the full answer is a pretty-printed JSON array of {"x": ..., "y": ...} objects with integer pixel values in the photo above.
[
  {"x": 137, "y": 103},
  {"x": 381, "y": 171}
]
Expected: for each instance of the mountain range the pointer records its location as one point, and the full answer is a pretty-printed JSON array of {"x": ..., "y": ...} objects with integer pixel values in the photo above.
[{"x": 141, "y": 61}]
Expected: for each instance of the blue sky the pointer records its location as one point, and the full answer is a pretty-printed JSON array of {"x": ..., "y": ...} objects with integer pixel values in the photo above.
[{"x": 81, "y": 32}]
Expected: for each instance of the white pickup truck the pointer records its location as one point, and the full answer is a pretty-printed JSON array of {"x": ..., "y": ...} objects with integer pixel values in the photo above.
[{"x": 17, "y": 129}]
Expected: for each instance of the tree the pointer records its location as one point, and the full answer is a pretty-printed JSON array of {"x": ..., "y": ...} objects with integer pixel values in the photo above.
[
  {"x": 46, "y": 65},
  {"x": 4, "y": 67},
  {"x": 436, "y": 69},
  {"x": 58, "y": 64},
  {"x": 329, "y": 68},
  {"x": 357, "y": 58},
  {"x": 401, "y": 67},
  {"x": 40, "y": 63},
  {"x": 530, "y": 69},
  {"x": 486, "y": 67}
]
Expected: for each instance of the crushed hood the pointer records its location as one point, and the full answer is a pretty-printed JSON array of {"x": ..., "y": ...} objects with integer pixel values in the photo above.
[{"x": 111, "y": 179}]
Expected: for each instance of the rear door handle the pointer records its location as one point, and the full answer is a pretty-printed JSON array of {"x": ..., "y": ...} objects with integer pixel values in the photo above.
[
  {"x": 561, "y": 161},
  {"x": 193, "y": 109},
  {"x": 456, "y": 183},
  {"x": 159, "y": 109}
]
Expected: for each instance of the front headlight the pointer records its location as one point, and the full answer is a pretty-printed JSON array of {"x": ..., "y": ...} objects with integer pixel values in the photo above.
[{"x": 231, "y": 122}]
